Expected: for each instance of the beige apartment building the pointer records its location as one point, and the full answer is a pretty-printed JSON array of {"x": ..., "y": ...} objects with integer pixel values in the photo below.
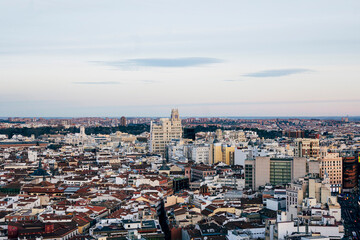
[
  {"x": 331, "y": 164},
  {"x": 308, "y": 187},
  {"x": 307, "y": 147},
  {"x": 162, "y": 132}
]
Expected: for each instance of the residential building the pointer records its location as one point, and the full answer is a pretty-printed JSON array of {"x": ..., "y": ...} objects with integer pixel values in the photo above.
[
  {"x": 200, "y": 153},
  {"x": 222, "y": 153},
  {"x": 331, "y": 165},
  {"x": 307, "y": 147}
]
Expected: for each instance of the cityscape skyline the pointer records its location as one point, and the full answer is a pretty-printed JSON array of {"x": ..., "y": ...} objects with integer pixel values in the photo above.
[
  {"x": 179, "y": 120},
  {"x": 355, "y": 118},
  {"x": 180, "y": 179}
]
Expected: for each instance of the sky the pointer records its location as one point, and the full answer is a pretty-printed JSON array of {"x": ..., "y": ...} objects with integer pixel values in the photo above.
[{"x": 110, "y": 58}]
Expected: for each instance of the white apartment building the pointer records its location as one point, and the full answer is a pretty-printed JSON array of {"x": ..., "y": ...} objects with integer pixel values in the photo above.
[
  {"x": 241, "y": 154},
  {"x": 224, "y": 181},
  {"x": 201, "y": 153},
  {"x": 284, "y": 229}
]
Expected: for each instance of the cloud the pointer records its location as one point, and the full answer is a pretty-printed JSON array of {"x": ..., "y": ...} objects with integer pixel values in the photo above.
[
  {"x": 233, "y": 80},
  {"x": 116, "y": 82},
  {"x": 98, "y": 83},
  {"x": 161, "y": 62},
  {"x": 277, "y": 72},
  {"x": 148, "y": 81}
]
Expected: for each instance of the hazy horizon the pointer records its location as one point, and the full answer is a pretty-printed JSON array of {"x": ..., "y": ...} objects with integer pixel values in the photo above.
[{"x": 184, "y": 117}]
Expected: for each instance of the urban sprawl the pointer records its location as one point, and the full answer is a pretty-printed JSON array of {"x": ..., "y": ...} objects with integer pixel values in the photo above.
[{"x": 179, "y": 178}]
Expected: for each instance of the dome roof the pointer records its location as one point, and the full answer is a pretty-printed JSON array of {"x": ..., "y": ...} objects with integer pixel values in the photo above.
[{"x": 39, "y": 172}]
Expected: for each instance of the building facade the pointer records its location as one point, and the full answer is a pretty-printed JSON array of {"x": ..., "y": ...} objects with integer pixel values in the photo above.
[
  {"x": 331, "y": 165},
  {"x": 222, "y": 153},
  {"x": 350, "y": 173},
  {"x": 200, "y": 153},
  {"x": 307, "y": 147},
  {"x": 164, "y": 131},
  {"x": 275, "y": 171}
]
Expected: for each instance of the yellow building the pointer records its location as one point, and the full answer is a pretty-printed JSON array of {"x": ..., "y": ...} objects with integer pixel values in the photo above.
[
  {"x": 222, "y": 153},
  {"x": 228, "y": 154},
  {"x": 216, "y": 153},
  {"x": 82, "y": 223}
]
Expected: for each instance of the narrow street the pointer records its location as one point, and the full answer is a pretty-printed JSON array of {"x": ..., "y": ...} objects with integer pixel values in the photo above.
[{"x": 350, "y": 213}]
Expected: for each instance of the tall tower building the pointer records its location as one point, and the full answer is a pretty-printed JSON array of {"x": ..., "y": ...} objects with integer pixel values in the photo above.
[
  {"x": 332, "y": 165},
  {"x": 123, "y": 121},
  {"x": 350, "y": 173},
  {"x": 82, "y": 131},
  {"x": 162, "y": 132},
  {"x": 175, "y": 114}
]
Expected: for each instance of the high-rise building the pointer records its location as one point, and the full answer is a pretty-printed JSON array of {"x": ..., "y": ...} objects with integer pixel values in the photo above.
[
  {"x": 350, "y": 173},
  {"x": 274, "y": 171},
  {"x": 162, "y": 132},
  {"x": 123, "y": 121},
  {"x": 228, "y": 154},
  {"x": 82, "y": 131},
  {"x": 307, "y": 147},
  {"x": 189, "y": 133},
  {"x": 249, "y": 173},
  {"x": 331, "y": 165}
]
